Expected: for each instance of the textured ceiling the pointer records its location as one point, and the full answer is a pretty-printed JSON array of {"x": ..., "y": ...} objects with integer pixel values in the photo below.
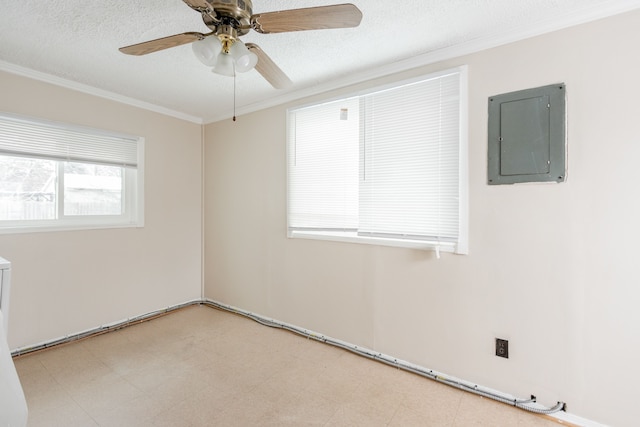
[{"x": 78, "y": 40}]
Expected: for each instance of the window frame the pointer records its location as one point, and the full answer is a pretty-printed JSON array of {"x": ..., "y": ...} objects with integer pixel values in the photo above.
[
  {"x": 132, "y": 188},
  {"x": 348, "y": 236}
]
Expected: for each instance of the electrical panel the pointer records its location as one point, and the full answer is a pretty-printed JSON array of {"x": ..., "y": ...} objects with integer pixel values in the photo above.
[{"x": 527, "y": 141}]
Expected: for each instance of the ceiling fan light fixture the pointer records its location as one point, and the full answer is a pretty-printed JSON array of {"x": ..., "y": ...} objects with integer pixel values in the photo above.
[
  {"x": 224, "y": 66},
  {"x": 207, "y": 50},
  {"x": 228, "y": 20},
  {"x": 243, "y": 58}
]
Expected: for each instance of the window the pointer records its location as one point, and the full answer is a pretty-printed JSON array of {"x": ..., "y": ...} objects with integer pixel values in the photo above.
[
  {"x": 58, "y": 176},
  {"x": 384, "y": 167}
]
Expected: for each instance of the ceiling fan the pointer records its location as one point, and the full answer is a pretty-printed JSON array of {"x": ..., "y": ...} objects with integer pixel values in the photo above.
[{"x": 228, "y": 20}]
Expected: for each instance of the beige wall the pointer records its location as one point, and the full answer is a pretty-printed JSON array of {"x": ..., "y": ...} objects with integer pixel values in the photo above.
[
  {"x": 67, "y": 282},
  {"x": 552, "y": 268}
]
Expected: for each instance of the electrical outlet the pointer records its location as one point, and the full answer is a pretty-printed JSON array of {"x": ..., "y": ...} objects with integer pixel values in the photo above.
[{"x": 502, "y": 348}]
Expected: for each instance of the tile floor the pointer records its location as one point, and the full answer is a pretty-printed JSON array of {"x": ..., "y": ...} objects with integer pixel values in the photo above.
[{"x": 199, "y": 366}]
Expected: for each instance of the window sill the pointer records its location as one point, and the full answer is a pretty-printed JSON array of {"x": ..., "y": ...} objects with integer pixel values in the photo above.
[
  {"x": 19, "y": 229},
  {"x": 353, "y": 237}
]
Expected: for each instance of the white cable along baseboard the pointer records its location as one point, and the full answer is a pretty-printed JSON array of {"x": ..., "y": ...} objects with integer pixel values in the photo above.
[{"x": 556, "y": 412}]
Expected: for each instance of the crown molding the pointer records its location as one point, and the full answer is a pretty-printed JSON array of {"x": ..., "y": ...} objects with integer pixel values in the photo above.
[{"x": 91, "y": 90}]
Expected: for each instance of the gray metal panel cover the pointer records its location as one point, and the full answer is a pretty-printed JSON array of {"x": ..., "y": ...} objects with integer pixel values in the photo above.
[{"x": 527, "y": 136}]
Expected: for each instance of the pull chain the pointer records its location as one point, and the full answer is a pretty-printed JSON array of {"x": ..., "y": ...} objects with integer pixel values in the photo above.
[{"x": 234, "y": 96}]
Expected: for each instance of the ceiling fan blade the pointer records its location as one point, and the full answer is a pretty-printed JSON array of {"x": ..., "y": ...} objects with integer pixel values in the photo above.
[
  {"x": 311, "y": 18},
  {"x": 269, "y": 70},
  {"x": 163, "y": 43},
  {"x": 198, "y": 5}
]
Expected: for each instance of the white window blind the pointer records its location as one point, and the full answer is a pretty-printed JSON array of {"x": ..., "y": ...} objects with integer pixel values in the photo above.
[
  {"x": 385, "y": 167},
  {"x": 409, "y": 185},
  {"x": 56, "y": 176},
  {"x": 323, "y": 177},
  {"x": 21, "y": 136}
]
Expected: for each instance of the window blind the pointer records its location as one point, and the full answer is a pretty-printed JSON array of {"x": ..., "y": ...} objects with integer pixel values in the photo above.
[
  {"x": 381, "y": 166},
  {"x": 409, "y": 182},
  {"x": 23, "y": 136},
  {"x": 323, "y": 166}
]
